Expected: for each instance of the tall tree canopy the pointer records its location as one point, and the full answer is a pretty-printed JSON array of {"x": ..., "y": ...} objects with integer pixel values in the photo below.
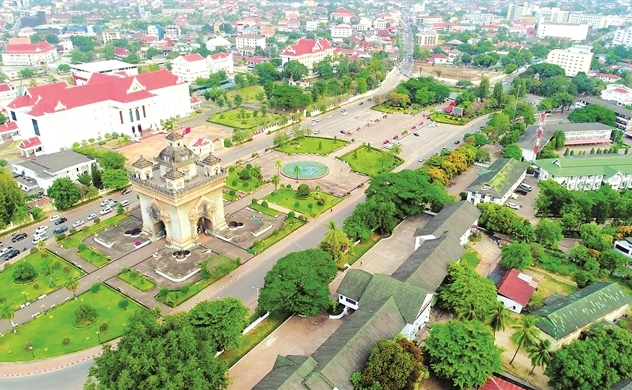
[
  {"x": 12, "y": 204},
  {"x": 593, "y": 113},
  {"x": 65, "y": 193},
  {"x": 465, "y": 291},
  {"x": 220, "y": 322}
]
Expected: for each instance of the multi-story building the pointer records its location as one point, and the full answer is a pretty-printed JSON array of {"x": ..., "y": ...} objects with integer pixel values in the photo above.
[
  {"x": 623, "y": 37},
  {"x": 380, "y": 24},
  {"x": 55, "y": 116},
  {"x": 109, "y": 35},
  {"x": 20, "y": 52},
  {"x": 341, "y": 31},
  {"x": 311, "y": 25},
  {"x": 574, "y": 32},
  {"x": 498, "y": 182},
  {"x": 342, "y": 15},
  {"x": 432, "y": 19},
  {"x": 622, "y": 114},
  {"x": 7, "y": 94},
  {"x": 177, "y": 11},
  {"x": 594, "y": 20},
  {"x": 518, "y": 11},
  {"x": 121, "y": 53},
  {"x": 193, "y": 66},
  {"x": 250, "y": 40},
  {"x": 173, "y": 31},
  {"x": 308, "y": 52},
  {"x": 81, "y": 73},
  {"x": 618, "y": 94},
  {"x": 155, "y": 30},
  {"x": 588, "y": 172},
  {"x": 573, "y": 60},
  {"x": 221, "y": 61},
  {"x": 428, "y": 38},
  {"x": 553, "y": 14},
  {"x": 42, "y": 171}
]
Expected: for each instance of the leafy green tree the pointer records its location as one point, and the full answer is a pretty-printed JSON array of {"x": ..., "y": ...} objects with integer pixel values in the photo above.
[
  {"x": 463, "y": 352},
  {"x": 597, "y": 362},
  {"x": 64, "y": 68},
  {"x": 115, "y": 178},
  {"x": 298, "y": 283},
  {"x": 540, "y": 354},
  {"x": 483, "y": 88},
  {"x": 465, "y": 291},
  {"x": 498, "y": 94},
  {"x": 23, "y": 272},
  {"x": 335, "y": 241},
  {"x": 516, "y": 255},
  {"x": 513, "y": 151},
  {"x": 85, "y": 314},
  {"x": 64, "y": 192},
  {"x": 525, "y": 333},
  {"x": 295, "y": 70},
  {"x": 72, "y": 286},
  {"x": 499, "y": 317},
  {"x": 238, "y": 100},
  {"x": 548, "y": 233},
  {"x": 288, "y": 97},
  {"x": 26, "y": 73},
  {"x": 593, "y": 113},
  {"x": 563, "y": 100},
  {"x": 152, "y": 355},
  {"x": 220, "y": 322},
  {"x": 85, "y": 179},
  {"x": 547, "y": 104},
  {"x": 97, "y": 180},
  {"x": 13, "y": 208},
  {"x": 7, "y": 312},
  {"x": 111, "y": 160}
]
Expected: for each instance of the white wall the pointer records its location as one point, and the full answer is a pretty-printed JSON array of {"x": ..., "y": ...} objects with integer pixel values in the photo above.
[{"x": 510, "y": 304}]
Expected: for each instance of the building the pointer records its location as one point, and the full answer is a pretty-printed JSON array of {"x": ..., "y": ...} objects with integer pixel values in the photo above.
[
  {"x": 624, "y": 246},
  {"x": 518, "y": 11},
  {"x": 341, "y": 31},
  {"x": 109, "y": 35},
  {"x": 24, "y": 53},
  {"x": 588, "y": 172},
  {"x": 565, "y": 319},
  {"x": 432, "y": 19},
  {"x": 217, "y": 42},
  {"x": 498, "y": 182},
  {"x": 155, "y": 30},
  {"x": 573, "y": 60},
  {"x": 553, "y": 14},
  {"x": 81, "y": 73},
  {"x": 180, "y": 195},
  {"x": 173, "y": 31},
  {"x": 623, "y": 115},
  {"x": 457, "y": 217},
  {"x": 42, "y": 171},
  {"x": 515, "y": 290},
  {"x": 496, "y": 383},
  {"x": 7, "y": 94},
  {"x": 250, "y": 40},
  {"x": 193, "y": 66},
  {"x": 429, "y": 38},
  {"x": 380, "y": 24},
  {"x": 308, "y": 52},
  {"x": 55, "y": 116},
  {"x": 177, "y": 11},
  {"x": 121, "y": 53},
  {"x": 623, "y": 37},
  {"x": 594, "y": 20},
  {"x": 342, "y": 15},
  {"x": 221, "y": 61},
  {"x": 574, "y": 32},
  {"x": 617, "y": 94}
]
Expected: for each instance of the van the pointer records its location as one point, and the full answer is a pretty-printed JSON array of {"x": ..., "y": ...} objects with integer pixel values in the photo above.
[
  {"x": 525, "y": 187},
  {"x": 124, "y": 203}
]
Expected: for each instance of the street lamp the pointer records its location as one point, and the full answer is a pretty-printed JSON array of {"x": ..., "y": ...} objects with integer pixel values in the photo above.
[
  {"x": 32, "y": 353},
  {"x": 98, "y": 337},
  {"x": 99, "y": 277},
  {"x": 44, "y": 309}
]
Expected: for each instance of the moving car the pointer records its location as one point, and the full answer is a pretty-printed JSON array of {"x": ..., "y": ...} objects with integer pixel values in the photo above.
[
  {"x": 126, "y": 202},
  {"x": 126, "y": 191},
  {"x": 53, "y": 218},
  {"x": 416, "y": 134},
  {"x": 91, "y": 217},
  {"x": 329, "y": 116},
  {"x": 345, "y": 113},
  {"x": 361, "y": 103},
  {"x": 422, "y": 159},
  {"x": 315, "y": 132},
  {"x": 457, "y": 142},
  {"x": 18, "y": 237},
  {"x": 513, "y": 206},
  {"x": 78, "y": 223},
  {"x": 9, "y": 255},
  {"x": 105, "y": 201},
  {"x": 41, "y": 229},
  {"x": 61, "y": 220},
  {"x": 106, "y": 210}
]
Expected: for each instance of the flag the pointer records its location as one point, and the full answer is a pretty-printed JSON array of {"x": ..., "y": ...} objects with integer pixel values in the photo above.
[{"x": 186, "y": 131}]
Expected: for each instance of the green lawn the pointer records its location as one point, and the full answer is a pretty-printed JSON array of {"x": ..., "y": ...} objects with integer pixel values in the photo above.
[
  {"x": 385, "y": 108},
  {"x": 248, "y": 93},
  {"x": 266, "y": 210},
  {"x": 551, "y": 285},
  {"x": 443, "y": 118},
  {"x": 286, "y": 198},
  {"x": 231, "y": 198},
  {"x": 234, "y": 183},
  {"x": 313, "y": 145},
  {"x": 471, "y": 257},
  {"x": 75, "y": 239},
  {"x": 62, "y": 273},
  {"x": 94, "y": 257},
  {"x": 370, "y": 161},
  {"x": 231, "y": 118},
  {"x": 291, "y": 224},
  {"x": 46, "y": 332},
  {"x": 136, "y": 280},
  {"x": 358, "y": 251}
]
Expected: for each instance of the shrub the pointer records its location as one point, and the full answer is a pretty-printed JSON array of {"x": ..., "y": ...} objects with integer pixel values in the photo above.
[
  {"x": 291, "y": 214},
  {"x": 97, "y": 220},
  {"x": 296, "y": 204},
  {"x": 34, "y": 250},
  {"x": 254, "y": 201},
  {"x": 82, "y": 247},
  {"x": 24, "y": 272},
  {"x": 95, "y": 288},
  {"x": 73, "y": 230},
  {"x": 60, "y": 236},
  {"x": 227, "y": 143},
  {"x": 123, "y": 303},
  {"x": 66, "y": 269},
  {"x": 36, "y": 286},
  {"x": 310, "y": 206},
  {"x": 231, "y": 169},
  {"x": 85, "y": 315},
  {"x": 103, "y": 327},
  {"x": 303, "y": 191},
  {"x": 185, "y": 289},
  {"x": 163, "y": 292},
  {"x": 234, "y": 182},
  {"x": 57, "y": 264},
  {"x": 91, "y": 140},
  {"x": 65, "y": 341},
  {"x": 248, "y": 166},
  {"x": 246, "y": 184},
  {"x": 320, "y": 201},
  {"x": 232, "y": 193},
  {"x": 264, "y": 203},
  {"x": 288, "y": 186}
]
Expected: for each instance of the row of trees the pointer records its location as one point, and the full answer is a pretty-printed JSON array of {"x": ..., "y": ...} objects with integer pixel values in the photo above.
[
  {"x": 13, "y": 208},
  {"x": 445, "y": 166},
  {"x": 422, "y": 91}
]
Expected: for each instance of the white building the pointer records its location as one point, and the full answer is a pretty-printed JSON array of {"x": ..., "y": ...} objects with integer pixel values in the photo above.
[
  {"x": 380, "y": 24},
  {"x": 573, "y": 60},
  {"x": 458, "y": 218},
  {"x": 515, "y": 290},
  {"x": 518, "y": 11},
  {"x": 429, "y": 38},
  {"x": 81, "y": 72},
  {"x": 7, "y": 94},
  {"x": 588, "y": 172},
  {"x": 109, "y": 35},
  {"x": 553, "y": 14},
  {"x": 623, "y": 115},
  {"x": 173, "y": 31},
  {"x": 617, "y": 93},
  {"x": 624, "y": 246},
  {"x": 217, "y": 42},
  {"x": 311, "y": 25},
  {"x": 574, "y": 32},
  {"x": 29, "y": 54},
  {"x": 623, "y": 37},
  {"x": 250, "y": 40},
  {"x": 594, "y": 20},
  {"x": 341, "y": 31},
  {"x": 44, "y": 170},
  {"x": 193, "y": 66},
  {"x": 308, "y": 52},
  {"x": 497, "y": 183},
  {"x": 55, "y": 116}
]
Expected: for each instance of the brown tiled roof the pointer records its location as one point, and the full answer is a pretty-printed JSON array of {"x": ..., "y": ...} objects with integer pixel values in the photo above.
[
  {"x": 142, "y": 162},
  {"x": 173, "y": 175}
]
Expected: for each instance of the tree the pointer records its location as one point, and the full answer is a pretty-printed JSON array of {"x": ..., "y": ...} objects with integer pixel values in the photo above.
[
  {"x": 266, "y": 72},
  {"x": 112, "y": 160},
  {"x": 463, "y": 352},
  {"x": 72, "y": 286},
  {"x": 26, "y": 73},
  {"x": 324, "y": 69},
  {"x": 499, "y": 317},
  {"x": 132, "y": 59},
  {"x": 513, "y": 151},
  {"x": 303, "y": 190},
  {"x": 395, "y": 365},
  {"x": 547, "y": 104},
  {"x": 597, "y": 362},
  {"x": 95, "y": 172},
  {"x": 525, "y": 334},
  {"x": 498, "y": 94},
  {"x": 548, "y": 233},
  {"x": 593, "y": 113},
  {"x": 298, "y": 283},
  {"x": 563, "y": 100},
  {"x": 64, "y": 192},
  {"x": 7, "y": 312},
  {"x": 123, "y": 303},
  {"x": 153, "y": 355},
  {"x": 335, "y": 241},
  {"x": 24, "y": 272},
  {"x": 85, "y": 315},
  {"x": 13, "y": 208},
  {"x": 220, "y": 322},
  {"x": 115, "y": 178},
  {"x": 466, "y": 291},
  {"x": 483, "y": 88},
  {"x": 63, "y": 68},
  {"x": 540, "y": 354},
  {"x": 289, "y": 97},
  {"x": 85, "y": 179},
  {"x": 275, "y": 180},
  {"x": 278, "y": 164},
  {"x": 238, "y": 100},
  {"x": 516, "y": 255}
]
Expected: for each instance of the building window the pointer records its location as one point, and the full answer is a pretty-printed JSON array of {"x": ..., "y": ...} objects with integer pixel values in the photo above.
[
  {"x": 13, "y": 116},
  {"x": 137, "y": 115},
  {"x": 121, "y": 115},
  {"x": 35, "y": 127},
  {"x": 131, "y": 115},
  {"x": 144, "y": 113}
]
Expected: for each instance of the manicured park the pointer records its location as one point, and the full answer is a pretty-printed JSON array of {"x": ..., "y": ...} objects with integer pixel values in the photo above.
[
  {"x": 371, "y": 161},
  {"x": 241, "y": 118},
  {"x": 440, "y": 117},
  {"x": 291, "y": 224},
  {"x": 313, "y": 205},
  {"x": 312, "y": 145},
  {"x": 76, "y": 238},
  {"x": 235, "y": 180},
  {"x": 47, "y": 332},
  {"x": 92, "y": 256},
  {"x": 247, "y": 93},
  {"x": 136, "y": 280},
  {"x": 59, "y": 271}
]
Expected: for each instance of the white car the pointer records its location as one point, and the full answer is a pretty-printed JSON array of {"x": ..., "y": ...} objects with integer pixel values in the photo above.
[
  {"x": 41, "y": 229},
  {"x": 316, "y": 132},
  {"x": 329, "y": 116},
  {"x": 513, "y": 206},
  {"x": 91, "y": 217},
  {"x": 106, "y": 210},
  {"x": 77, "y": 224},
  {"x": 345, "y": 113},
  {"x": 53, "y": 218},
  {"x": 104, "y": 202}
]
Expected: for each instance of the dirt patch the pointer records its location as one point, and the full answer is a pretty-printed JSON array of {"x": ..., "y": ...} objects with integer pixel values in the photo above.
[{"x": 452, "y": 72}]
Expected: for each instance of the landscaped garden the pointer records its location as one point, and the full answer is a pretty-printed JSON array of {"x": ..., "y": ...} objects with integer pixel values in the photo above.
[
  {"x": 245, "y": 179},
  {"x": 76, "y": 238},
  {"x": 247, "y": 93},
  {"x": 136, "y": 280},
  {"x": 312, "y": 145},
  {"x": 371, "y": 161},
  {"x": 230, "y": 196},
  {"x": 291, "y": 224},
  {"x": 358, "y": 250},
  {"x": 385, "y": 108},
  {"x": 39, "y": 273},
  {"x": 92, "y": 255},
  {"x": 242, "y": 118},
  {"x": 264, "y": 208},
  {"x": 213, "y": 268},
  {"x": 303, "y": 200},
  {"x": 93, "y": 318},
  {"x": 441, "y": 117}
]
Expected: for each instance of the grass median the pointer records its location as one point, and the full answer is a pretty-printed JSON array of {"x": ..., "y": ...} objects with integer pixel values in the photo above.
[{"x": 75, "y": 239}]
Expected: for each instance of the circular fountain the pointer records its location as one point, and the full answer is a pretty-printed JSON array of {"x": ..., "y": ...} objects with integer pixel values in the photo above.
[
  {"x": 133, "y": 232},
  {"x": 181, "y": 255},
  {"x": 234, "y": 225},
  {"x": 304, "y": 170}
]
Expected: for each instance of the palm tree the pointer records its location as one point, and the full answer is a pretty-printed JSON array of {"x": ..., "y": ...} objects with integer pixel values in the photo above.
[
  {"x": 7, "y": 312},
  {"x": 278, "y": 166},
  {"x": 335, "y": 240},
  {"x": 72, "y": 285},
  {"x": 540, "y": 354},
  {"x": 395, "y": 150},
  {"x": 526, "y": 333},
  {"x": 468, "y": 313},
  {"x": 297, "y": 171},
  {"x": 499, "y": 317},
  {"x": 276, "y": 180}
]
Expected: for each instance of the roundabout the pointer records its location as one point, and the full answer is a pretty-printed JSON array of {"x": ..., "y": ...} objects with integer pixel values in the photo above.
[{"x": 304, "y": 170}]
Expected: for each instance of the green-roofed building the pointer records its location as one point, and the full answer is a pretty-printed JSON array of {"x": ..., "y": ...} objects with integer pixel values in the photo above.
[
  {"x": 564, "y": 319},
  {"x": 588, "y": 172},
  {"x": 496, "y": 183}
]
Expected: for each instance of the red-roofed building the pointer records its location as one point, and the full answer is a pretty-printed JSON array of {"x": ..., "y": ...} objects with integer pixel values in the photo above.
[
  {"x": 9, "y": 130},
  {"x": 439, "y": 59},
  {"x": 342, "y": 15},
  {"x": 617, "y": 93},
  {"x": 608, "y": 78},
  {"x": 31, "y": 147},
  {"x": 515, "y": 290},
  {"x": 193, "y": 66},
  {"x": 308, "y": 52},
  {"x": 495, "y": 383},
  {"x": 121, "y": 52},
  {"x": 60, "y": 115},
  {"x": 29, "y": 54},
  {"x": 7, "y": 94}
]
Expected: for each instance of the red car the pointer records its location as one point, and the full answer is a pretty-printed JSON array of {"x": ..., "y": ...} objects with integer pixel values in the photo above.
[
  {"x": 396, "y": 137},
  {"x": 386, "y": 142},
  {"x": 414, "y": 127}
]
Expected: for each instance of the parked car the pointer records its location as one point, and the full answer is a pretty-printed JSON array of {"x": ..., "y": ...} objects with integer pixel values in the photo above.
[
  {"x": 19, "y": 237},
  {"x": 343, "y": 132},
  {"x": 413, "y": 127},
  {"x": 9, "y": 255},
  {"x": 396, "y": 136},
  {"x": 386, "y": 141},
  {"x": 53, "y": 218},
  {"x": 124, "y": 203},
  {"x": 422, "y": 159},
  {"x": 329, "y": 116},
  {"x": 3, "y": 251},
  {"x": 315, "y": 132},
  {"x": 520, "y": 191},
  {"x": 41, "y": 229},
  {"x": 106, "y": 201},
  {"x": 37, "y": 238},
  {"x": 126, "y": 191},
  {"x": 106, "y": 210},
  {"x": 513, "y": 206},
  {"x": 78, "y": 223},
  {"x": 60, "y": 230},
  {"x": 361, "y": 103},
  {"x": 91, "y": 217},
  {"x": 345, "y": 113},
  {"x": 112, "y": 203},
  {"x": 416, "y": 134},
  {"x": 61, "y": 220}
]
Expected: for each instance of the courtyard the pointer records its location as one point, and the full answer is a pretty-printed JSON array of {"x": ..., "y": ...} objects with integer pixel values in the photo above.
[
  {"x": 118, "y": 240},
  {"x": 313, "y": 145},
  {"x": 247, "y": 226}
]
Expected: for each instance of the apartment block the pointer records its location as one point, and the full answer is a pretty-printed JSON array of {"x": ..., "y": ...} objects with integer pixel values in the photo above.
[
  {"x": 573, "y": 60},
  {"x": 574, "y": 32}
]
